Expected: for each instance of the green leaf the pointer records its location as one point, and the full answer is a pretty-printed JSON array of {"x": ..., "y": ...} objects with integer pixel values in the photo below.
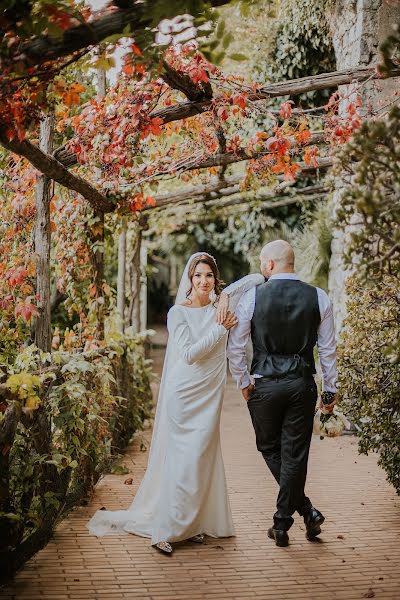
[
  {"x": 220, "y": 29},
  {"x": 227, "y": 40},
  {"x": 238, "y": 57}
]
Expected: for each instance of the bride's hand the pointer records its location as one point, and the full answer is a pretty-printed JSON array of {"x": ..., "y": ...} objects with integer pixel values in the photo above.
[
  {"x": 222, "y": 309},
  {"x": 230, "y": 321}
]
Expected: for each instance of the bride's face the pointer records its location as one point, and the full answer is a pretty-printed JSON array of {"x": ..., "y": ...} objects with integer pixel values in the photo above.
[{"x": 203, "y": 280}]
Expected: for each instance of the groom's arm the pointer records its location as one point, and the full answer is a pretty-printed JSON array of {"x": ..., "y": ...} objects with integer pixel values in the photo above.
[{"x": 238, "y": 339}]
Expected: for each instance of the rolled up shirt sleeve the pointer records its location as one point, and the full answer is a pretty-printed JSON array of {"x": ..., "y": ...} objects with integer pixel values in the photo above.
[
  {"x": 326, "y": 343},
  {"x": 238, "y": 339}
]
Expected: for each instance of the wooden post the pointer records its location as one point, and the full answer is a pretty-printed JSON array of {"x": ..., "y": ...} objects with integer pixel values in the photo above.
[
  {"x": 101, "y": 83},
  {"x": 98, "y": 239},
  {"x": 42, "y": 242},
  {"x": 143, "y": 286},
  {"x": 135, "y": 280},
  {"x": 121, "y": 275}
]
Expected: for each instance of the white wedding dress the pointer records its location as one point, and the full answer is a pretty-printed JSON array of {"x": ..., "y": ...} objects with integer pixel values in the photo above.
[{"x": 183, "y": 492}]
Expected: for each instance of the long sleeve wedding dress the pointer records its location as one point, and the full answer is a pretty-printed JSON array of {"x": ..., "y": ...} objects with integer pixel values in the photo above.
[{"x": 183, "y": 492}]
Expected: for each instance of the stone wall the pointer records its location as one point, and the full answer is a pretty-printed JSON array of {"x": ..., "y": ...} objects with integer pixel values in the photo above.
[{"x": 357, "y": 27}]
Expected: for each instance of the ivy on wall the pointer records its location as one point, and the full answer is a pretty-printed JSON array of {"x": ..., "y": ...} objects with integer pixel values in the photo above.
[{"x": 303, "y": 45}]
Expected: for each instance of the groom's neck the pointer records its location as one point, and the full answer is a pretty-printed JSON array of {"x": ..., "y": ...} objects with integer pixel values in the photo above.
[{"x": 282, "y": 270}]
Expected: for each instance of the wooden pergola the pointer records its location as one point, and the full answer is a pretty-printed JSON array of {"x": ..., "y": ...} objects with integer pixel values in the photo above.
[{"x": 58, "y": 165}]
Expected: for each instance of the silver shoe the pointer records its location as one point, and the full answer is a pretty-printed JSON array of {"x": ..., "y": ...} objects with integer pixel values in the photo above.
[
  {"x": 164, "y": 547},
  {"x": 199, "y": 539}
]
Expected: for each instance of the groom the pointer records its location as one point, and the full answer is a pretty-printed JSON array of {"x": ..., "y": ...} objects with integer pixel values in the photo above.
[{"x": 285, "y": 318}]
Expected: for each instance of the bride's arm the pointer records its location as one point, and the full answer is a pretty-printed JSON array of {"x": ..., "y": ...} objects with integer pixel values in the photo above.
[
  {"x": 189, "y": 350},
  {"x": 237, "y": 288},
  {"x": 244, "y": 284}
]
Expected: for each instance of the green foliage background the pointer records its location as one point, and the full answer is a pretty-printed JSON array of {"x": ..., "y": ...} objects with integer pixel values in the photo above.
[{"x": 370, "y": 346}]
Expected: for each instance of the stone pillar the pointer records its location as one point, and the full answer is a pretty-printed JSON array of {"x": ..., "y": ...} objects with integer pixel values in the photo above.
[{"x": 357, "y": 27}]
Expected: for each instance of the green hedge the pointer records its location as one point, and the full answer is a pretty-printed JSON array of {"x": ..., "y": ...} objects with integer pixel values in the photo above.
[
  {"x": 370, "y": 348},
  {"x": 370, "y": 371},
  {"x": 61, "y": 424}
]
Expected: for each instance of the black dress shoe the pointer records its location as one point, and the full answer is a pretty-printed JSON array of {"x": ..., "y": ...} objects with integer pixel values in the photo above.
[
  {"x": 313, "y": 520},
  {"x": 280, "y": 536}
]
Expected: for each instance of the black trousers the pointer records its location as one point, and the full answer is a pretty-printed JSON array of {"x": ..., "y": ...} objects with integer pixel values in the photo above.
[{"x": 282, "y": 411}]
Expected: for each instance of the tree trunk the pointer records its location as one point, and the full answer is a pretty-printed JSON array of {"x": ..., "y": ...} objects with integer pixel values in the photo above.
[
  {"x": 121, "y": 275},
  {"x": 42, "y": 243}
]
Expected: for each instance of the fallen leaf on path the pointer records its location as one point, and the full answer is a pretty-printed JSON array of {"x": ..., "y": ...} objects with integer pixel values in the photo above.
[
  {"x": 370, "y": 593},
  {"x": 340, "y": 537},
  {"x": 119, "y": 470},
  {"x": 128, "y": 481}
]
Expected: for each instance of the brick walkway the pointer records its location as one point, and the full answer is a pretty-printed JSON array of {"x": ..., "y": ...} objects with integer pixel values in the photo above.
[{"x": 358, "y": 555}]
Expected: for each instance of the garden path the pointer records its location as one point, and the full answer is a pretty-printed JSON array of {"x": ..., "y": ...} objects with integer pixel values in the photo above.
[{"x": 358, "y": 555}]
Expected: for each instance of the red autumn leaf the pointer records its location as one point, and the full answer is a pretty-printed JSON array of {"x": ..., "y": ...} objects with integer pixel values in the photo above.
[
  {"x": 26, "y": 309},
  {"x": 278, "y": 145},
  {"x": 136, "y": 50},
  {"x": 128, "y": 69},
  {"x": 198, "y": 73},
  {"x": 239, "y": 100},
  {"x": 222, "y": 113},
  {"x": 286, "y": 109},
  {"x": 310, "y": 157},
  {"x": 62, "y": 19},
  {"x": 150, "y": 201},
  {"x": 234, "y": 144},
  {"x": 17, "y": 276},
  {"x": 155, "y": 126},
  {"x": 10, "y": 133},
  {"x": 289, "y": 171},
  {"x": 303, "y": 136},
  {"x": 351, "y": 109}
]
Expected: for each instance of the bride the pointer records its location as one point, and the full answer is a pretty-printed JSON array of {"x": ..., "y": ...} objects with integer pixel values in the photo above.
[{"x": 183, "y": 494}]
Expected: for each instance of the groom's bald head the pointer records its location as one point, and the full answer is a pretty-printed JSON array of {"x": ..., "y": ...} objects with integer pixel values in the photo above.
[{"x": 277, "y": 257}]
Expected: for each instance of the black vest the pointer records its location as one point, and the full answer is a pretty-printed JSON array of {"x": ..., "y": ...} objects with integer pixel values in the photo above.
[{"x": 284, "y": 328}]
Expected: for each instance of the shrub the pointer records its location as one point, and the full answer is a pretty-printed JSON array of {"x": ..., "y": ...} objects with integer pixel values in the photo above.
[
  {"x": 370, "y": 348},
  {"x": 370, "y": 371},
  {"x": 63, "y": 417}
]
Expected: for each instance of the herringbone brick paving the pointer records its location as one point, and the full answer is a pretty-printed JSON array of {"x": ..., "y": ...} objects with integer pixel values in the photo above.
[{"x": 358, "y": 555}]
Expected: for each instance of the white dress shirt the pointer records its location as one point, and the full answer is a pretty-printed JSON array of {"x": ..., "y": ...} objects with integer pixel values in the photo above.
[{"x": 240, "y": 335}]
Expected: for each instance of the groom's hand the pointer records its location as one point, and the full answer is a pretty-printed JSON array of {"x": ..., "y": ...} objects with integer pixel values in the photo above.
[
  {"x": 327, "y": 402},
  {"x": 247, "y": 391}
]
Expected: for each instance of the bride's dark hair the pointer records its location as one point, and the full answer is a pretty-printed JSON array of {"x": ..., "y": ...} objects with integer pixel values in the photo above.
[{"x": 209, "y": 261}]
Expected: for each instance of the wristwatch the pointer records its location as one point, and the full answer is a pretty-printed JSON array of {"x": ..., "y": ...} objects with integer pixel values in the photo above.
[{"x": 328, "y": 397}]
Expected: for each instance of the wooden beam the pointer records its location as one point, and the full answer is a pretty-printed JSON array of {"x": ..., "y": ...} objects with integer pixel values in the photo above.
[
  {"x": 285, "y": 190},
  {"x": 225, "y": 187},
  {"x": 293, "y": 87},
  {"x": 137, "y": 17}
]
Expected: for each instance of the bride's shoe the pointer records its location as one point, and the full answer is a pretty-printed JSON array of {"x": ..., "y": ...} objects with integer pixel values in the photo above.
[
  {"x": 199, "y": 539},
  {"x": 164, "y": 547}
]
